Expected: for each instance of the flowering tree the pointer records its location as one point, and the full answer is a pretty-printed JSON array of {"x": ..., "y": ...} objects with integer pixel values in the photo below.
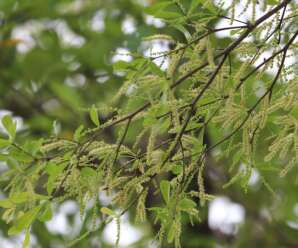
[{"x": 161, "y": 132}]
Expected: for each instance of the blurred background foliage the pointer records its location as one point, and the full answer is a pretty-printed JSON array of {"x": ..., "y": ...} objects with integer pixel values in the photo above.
[{"x": 56, "y": 61}]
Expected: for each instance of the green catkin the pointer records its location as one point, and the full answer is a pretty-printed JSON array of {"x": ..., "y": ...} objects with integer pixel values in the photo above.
[
  {"x": 254, "y": 6},
  {"x": 89, "y": 165},
  {"x": 296, "y": 145},
  {"x": 158, "y": 37},
  {"x": 201, "y": 186},
  {"x": 180, "y": 5},
  {"x": 175, "y": 114},
  {"x": 220, "y": 81},
  {"x": 139, "y": 139},
  {"x": 288, "y": 168},
  {"x": 141, "y": 207},
  {"x": 241, "y": 72},
  {"x": 56, "y": 145},
  {"x": 117, "y": 220},
  {"x": 290, "y": 101},
  {"x": 233, "y": 11},
  {"x": 174, "y": 59},
  {"x": 246, "y": 141},
  {"x": 245, "y": 8},
  {"x": 199, "y": 47},
  {"x": 286, "y": 146},
  {"x": 263, "y": 113},
  {"x": 150, "y": 146},
  {"x": 177, "y": 231},
  {"x": 210, "y": 55},
  {"x": 161, "y": 234}
]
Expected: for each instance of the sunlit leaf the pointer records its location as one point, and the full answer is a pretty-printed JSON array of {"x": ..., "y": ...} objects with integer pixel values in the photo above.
[
  {"x": 94, "y": 115},
  {"x": 165, "y": 189},
  {"x": 26, "y": 242},
  {"x": 10, "y": 126},
  {"x": 24, "y": 221}
]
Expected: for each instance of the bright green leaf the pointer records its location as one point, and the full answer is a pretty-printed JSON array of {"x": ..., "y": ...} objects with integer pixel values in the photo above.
[
  {"x": 46, "y": 214},
  {"x": 94, "y": 115},
  {"x": 186, "y": 204},
  {"x": 152, "y": 10},
  {"x": 21, "y": 197},
  {"x": 78, "y": 133},
  {"x": 6, "y": 203},
  {"x": 26, "y": 242},
  {"x": 121, "y": 65},
  {"x": 272, "y": 2},
  {"x": 10, "y": 126},
  {"x": 24, "y": 221},
  {"x": 171, "y": 233},
  {"x": 165, "y": 189},
  {"x": 177, "y": 169},
  {"x": 53, "y": 169},
  {"x": 4, "y": 143},
  {"x": 88, "y": 172}
]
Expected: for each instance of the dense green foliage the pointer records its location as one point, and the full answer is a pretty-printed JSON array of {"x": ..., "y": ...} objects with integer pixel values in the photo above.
[{"x": 161, "y": 133}]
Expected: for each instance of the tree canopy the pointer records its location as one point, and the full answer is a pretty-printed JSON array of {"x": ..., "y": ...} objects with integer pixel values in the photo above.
[{"x": 149, "y": 110}]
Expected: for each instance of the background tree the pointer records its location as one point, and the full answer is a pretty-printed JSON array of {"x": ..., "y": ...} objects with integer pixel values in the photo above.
[{"x": 162, "y": 133}]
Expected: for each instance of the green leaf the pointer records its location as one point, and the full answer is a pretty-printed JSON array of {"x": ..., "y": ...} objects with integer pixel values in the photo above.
[
  {"x": 167, "y": 15},
  {"x": 233, "y": 180},
  {"x": 26, "y": 242},
  {"x": 78, "y": 133},
  {"x": 177, "y": 169},
  {"x": 53, "y": 171},
  {"x": 152, "y": 10},
  {"x": 6, "y": 203},
  {"x": 88, "y": 172},
  {"x": 10, "y": 126},
  {"x": 194, "y": 4},
  {"x": 183, "y": 30},
  {"x": 121, "y": 65},
  {"x": 155, "y": 69},
  {"x": 171, "y": 233},
  {"x": 158, "y": 10},
  {"x": 20, "y": 156},
  {"x": 24, "y": 221},
  {"x": 272, "y": 2},
  {"x": 33, "y": 146},
  {"x": 46, "y": 214},
  {"x": 107, "y": 211},
  {"x": 208, "y": 4},
  {"x": 21, "y": 197},
  {"x": 162, "y": 214},
  {"x": 187, "y": 204},
  {"x": 94, "y": 115},
  {"x": 4, "y": 143},
  {"x": 165, "y": 189},
  {"x": 294, "y": 112},
  {"x": 245, "y": 179}
]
